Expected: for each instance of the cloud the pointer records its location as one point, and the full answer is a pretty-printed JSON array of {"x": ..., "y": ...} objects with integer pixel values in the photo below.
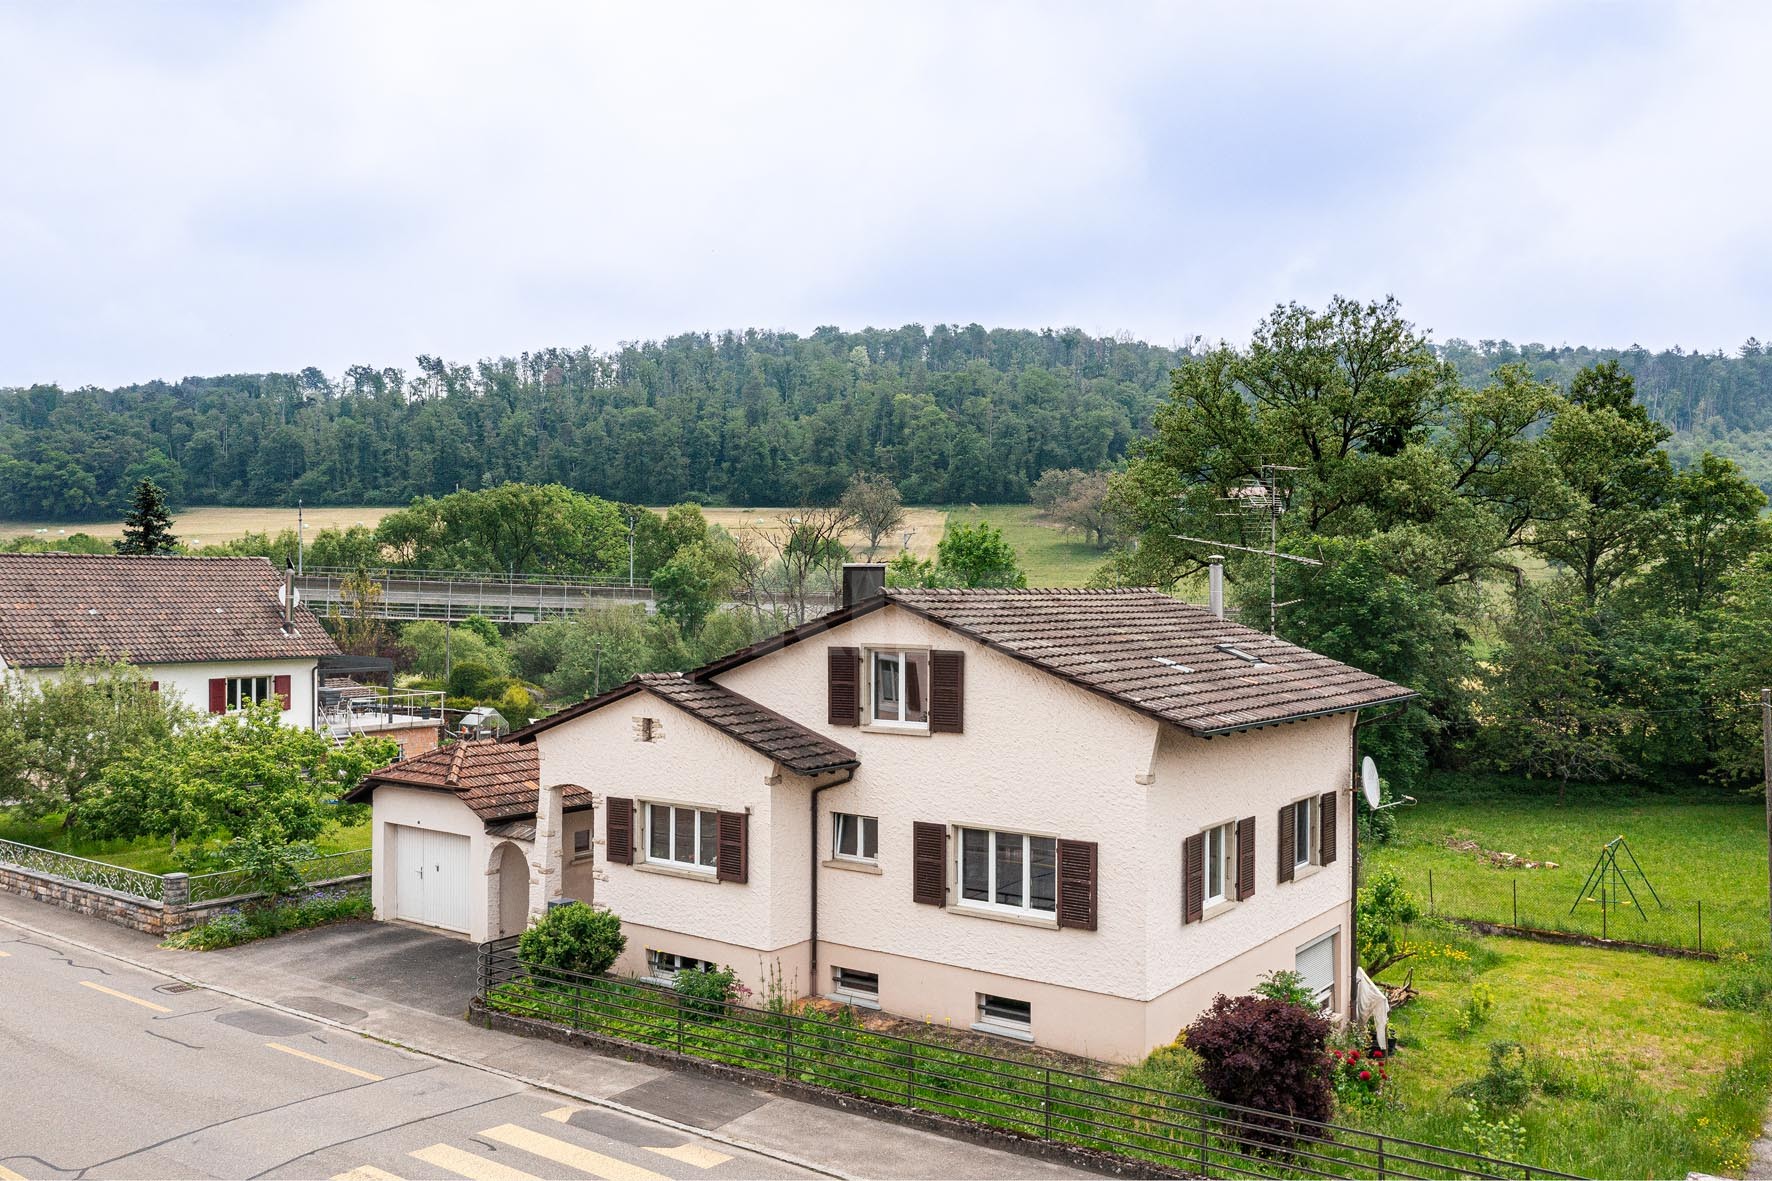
[{"x": 220, "y": 188}]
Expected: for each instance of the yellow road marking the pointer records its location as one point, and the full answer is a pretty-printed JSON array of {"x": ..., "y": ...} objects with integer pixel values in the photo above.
[
  {"x": 366, "y": 1173},
  {"x": 560, "y": 1114},
  {"x": 7, "y": 1174},
  {"x": 570, "y": 1155},
  {"x": 470, "y": 1165},
  {"x": 693, "y": 1154},
  {"x": 3, "y": 955},
  {"x": 374, "y": 1078},
  {"x": 124, "y": 996}
]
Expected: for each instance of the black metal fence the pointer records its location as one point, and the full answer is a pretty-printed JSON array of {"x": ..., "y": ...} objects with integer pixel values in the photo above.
[
  {"x": 1532, "y": 901},
  {"x": 1182, "y": 1133}
]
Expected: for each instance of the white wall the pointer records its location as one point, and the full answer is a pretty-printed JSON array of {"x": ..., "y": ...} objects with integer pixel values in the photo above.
[
  {"x": 439, "y": 811},
  {"x": 190, "y": 682}
]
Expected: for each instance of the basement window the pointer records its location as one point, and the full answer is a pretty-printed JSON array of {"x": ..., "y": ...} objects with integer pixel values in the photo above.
[
  {"x": 662, "y": 966},
  {"x": 1005, "y": 1016},
  {"x": 850, "y": 984}
]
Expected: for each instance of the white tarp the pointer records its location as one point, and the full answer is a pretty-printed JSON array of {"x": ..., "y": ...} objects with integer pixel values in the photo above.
[{"x": 1371, "y": 1003}]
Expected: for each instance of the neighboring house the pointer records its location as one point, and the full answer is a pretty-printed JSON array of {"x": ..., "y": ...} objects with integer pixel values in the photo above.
[
  {"x": 456, "y": 842},
  {"x": 1064, "y": 816},
  {"x": 218, "y": 632}
]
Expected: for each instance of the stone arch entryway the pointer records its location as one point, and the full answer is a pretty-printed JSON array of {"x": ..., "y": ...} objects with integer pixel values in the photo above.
[{"x": 511, "y": 897}]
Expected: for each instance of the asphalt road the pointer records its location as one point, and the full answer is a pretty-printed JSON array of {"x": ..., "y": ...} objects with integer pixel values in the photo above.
[{"x": 110, "y": 1071}]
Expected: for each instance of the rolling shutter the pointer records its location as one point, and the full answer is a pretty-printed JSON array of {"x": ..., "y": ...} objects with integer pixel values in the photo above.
[
  {"x": 1288, "y": 847},
  {"x": 845, "y": 686},
  {"x": 619, "y": 844},
  {"x": 929, "y": 863},
  {"x": 1326, "y": 830},
  {"x": 733, "y": 861},
  {"x": 1246, "y": 858},
  {"x": 218, "y": 695},
  {"x": 1316, "y": 963},
  {"x": 1193, "y": 877},
  {"x": 1076, "y": 884},
  {"x": 280, "y": 686},
  {"x": 947, "y": 692}
]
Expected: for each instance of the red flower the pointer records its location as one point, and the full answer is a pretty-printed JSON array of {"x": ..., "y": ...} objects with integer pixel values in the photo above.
[
  {"x": 1378, "y": 1053},
  {"x": 1353, "y": 1055},
  {"x": 1365, "y": 1076},
  {"x": 1384, "y": 1074}
]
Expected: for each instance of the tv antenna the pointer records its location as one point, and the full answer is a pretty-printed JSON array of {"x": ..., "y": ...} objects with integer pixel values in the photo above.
[{"x": 1254, "y": 500}]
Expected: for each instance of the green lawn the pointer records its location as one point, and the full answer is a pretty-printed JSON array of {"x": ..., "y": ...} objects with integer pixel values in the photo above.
[
  {"x": 1707, "y": 849},
  {"x": 146, "y": 854},
  {"x": 1051, "y": 558},
  {"x": 1631, "y": 1076}
]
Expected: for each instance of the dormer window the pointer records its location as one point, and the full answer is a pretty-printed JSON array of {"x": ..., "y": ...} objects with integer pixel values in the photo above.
[{"x": 899, "y": 687}]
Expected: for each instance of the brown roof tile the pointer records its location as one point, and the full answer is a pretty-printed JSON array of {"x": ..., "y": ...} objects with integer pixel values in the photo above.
[
  {"x": 800, "y": 750},
  {"x": 147, "y": 610},
  {"x": 498, "y": 780}
]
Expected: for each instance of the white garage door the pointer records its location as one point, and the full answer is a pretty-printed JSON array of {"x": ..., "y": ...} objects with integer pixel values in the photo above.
[
  {"x": 1316, "y": 963},
  {"x": 431, "y": 877}
]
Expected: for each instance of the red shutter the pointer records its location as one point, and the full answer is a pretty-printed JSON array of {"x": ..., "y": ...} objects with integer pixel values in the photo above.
[
  {"x": 1076, "y": 884},
  {"x": 153, "y": 686},
  {"x": 218, "y": 695},
  {"x": 845, "y": 686},
  {"x": 929, "y": 863},
  {"x": 619, "y": 833},
  {"x": 1193, "y": 877},
  {"x": 1246, "y": 858},
  {"x": 947, "y": 692},
  {"x": 280, "y": 686},
  {"x": 733, "y": 861},
  {"x": 1288, "y": 846},
  {"x": 1326, "y": 829}
]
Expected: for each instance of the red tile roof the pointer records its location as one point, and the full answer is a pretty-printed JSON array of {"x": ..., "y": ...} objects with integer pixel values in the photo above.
[
  {"x": 499, "y": 781},
  {"x": 803, "y": 751},
  {"x": 55, "y": 608}
]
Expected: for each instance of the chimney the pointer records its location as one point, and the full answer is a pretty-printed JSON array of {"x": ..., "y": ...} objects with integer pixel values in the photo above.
[
  {"x": 1215, "y": 584},
  {"x": 863, "y": 581}
]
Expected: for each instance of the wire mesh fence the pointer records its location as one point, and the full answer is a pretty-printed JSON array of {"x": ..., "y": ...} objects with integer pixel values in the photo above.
[
  {"x": 1521, "y": 898},
  {"x": 1180, "y": 1133}
]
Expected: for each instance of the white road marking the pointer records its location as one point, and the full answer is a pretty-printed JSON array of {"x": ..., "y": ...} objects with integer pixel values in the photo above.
[
  {"x": 366, "y": 1173},
  {"x": 693, "y": 1154},
  {"x": 124, "y": 996},
  {"x": 374, "y": 1078},
  {"x": 570, "y": 1155},
  {"x": 470, "y": 1165},
  {"x": 7, "y": 1174}
]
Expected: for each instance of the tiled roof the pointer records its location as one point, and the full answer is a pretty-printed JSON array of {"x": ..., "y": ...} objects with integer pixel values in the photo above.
[
  {"x": 498, "y": 780},
  {"x": 1173, "y": 661},
  {"x": 800, "y": 750},
  {"x": 147, "y": 610}
]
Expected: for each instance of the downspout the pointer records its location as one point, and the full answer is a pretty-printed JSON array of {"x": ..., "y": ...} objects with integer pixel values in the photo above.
[
  {"x": 1353, "y": 861},
  {"x": 812, "y": 938}
]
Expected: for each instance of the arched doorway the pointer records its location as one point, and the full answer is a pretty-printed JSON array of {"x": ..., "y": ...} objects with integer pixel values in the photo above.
[{"x": 513, "y": 891}]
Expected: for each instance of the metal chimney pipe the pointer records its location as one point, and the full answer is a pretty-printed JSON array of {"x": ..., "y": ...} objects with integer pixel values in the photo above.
[
  {"x": 288, "y": 598},
  {"x": 1215, "y": 584}
]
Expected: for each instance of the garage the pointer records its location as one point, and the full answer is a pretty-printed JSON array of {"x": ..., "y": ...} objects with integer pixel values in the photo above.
[{"x": 430, "y": 877}]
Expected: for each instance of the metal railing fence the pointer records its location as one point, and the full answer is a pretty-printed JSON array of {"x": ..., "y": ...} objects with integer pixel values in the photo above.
[
  {"x": 229, "y": 883},
  {"x": 103, "y": 874},
  {"x": 1182, "y": 1133}
]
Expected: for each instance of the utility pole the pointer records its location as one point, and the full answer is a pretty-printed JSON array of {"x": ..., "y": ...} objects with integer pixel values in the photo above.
[
  {"x": 632, "y": 523},
  {"x": 1766, "y": 757},
  {"x": 300, "y": 537}
]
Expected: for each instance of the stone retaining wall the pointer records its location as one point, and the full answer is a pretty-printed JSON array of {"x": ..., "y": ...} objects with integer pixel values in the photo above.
[{"x": 126, "y": 910}]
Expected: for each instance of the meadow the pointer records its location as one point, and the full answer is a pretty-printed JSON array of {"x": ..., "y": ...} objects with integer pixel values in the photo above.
[
  {"x": 211, "y": 524},
  {"x": 148, "y": 854},
  {"x": 1049, "y": 556}
]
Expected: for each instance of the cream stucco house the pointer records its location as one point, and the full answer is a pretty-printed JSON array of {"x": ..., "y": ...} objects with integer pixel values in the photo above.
[{"x": 1064, "y": 816}]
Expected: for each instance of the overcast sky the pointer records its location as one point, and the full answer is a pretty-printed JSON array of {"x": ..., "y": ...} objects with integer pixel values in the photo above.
[{"x": 193, "y": 188}]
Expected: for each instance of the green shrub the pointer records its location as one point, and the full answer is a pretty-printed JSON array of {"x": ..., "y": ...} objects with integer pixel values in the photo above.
[
  {"x": 1502, "y": 1136},
  {"x": 1743, "y": 983},
  {"x": 235, "y": 927},
  {"x": 574, "y": 938},
  {"x": 1173, "y": 1068},
  {"x": 1283, "y": 984},
  {"x": 1383, "y": 905},
  {"x": 709, "y": 989},
  {"x": 1476, "y": 1008},
  {"x": 1506, "y": 1084}
]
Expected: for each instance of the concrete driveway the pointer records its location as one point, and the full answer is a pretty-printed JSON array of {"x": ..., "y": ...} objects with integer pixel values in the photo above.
[{"x": 390, "y": 962}]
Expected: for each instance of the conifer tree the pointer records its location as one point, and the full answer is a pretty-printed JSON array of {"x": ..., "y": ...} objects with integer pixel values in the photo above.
[{"x": 147, "y": 529}]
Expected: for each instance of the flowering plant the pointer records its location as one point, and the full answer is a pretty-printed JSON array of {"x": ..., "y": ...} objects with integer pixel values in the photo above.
[{"x": 1359, "y": 1075}]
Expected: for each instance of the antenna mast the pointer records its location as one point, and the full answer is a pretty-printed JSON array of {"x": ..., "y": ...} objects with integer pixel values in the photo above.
[{"x": 1263, "y": 498}]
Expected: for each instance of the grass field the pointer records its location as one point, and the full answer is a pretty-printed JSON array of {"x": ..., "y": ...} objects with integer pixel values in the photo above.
[
  {"x": 1630, "y": 1074},
  {"x": 148, "y": 855},
  {"x": 1051, "y": 558},
  {"x": 1710, "y": 850},
  {"x": 926, "y": 525},
  {"x": 211, "y": 525}
]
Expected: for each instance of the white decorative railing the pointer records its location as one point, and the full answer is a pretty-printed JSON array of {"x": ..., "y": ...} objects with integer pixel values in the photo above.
[
  {"x": 150, "y": 886},
  {"x": 229, "y": 883}
]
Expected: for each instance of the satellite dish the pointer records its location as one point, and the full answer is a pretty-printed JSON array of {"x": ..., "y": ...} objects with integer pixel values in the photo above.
[{"x": 1369, "y": 782}]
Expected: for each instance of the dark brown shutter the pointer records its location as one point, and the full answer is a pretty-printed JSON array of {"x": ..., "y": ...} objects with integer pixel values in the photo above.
[
  {"x": 153, "y": 686},
  {"x": 1076, "y": 884},
  {"x": 1193, "y": 877},
  {"x": 280, "y": 686},
  {"x": 218, "y": 695},
  {"x": 733, "y": 862},
  {"x": 845, "y": 686},
  {"x": 1288, "y": 845},
  {"x": 1246, "y": 858},
  {"x": 947, "y": 692},
  {"x": 929, "y": 863},
  {"x": 1326, "y": 829},
  {"x": 620, "y": 831}
]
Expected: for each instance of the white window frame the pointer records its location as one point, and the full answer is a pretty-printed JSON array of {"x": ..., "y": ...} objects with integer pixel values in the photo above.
[
  {"x": 590, "y": 848},
  {"x": 875, "y": 719},
  {"x": 1220, "y": 855},
  {"x": 244, "y": 691},
  {"x": 1313, "y": 830},
  {"x": 662, "y": 966},
  {"x": 670, "y": 862},
  {"x": 1027, "y": 909},
  {"x": 862, "y": 825},
  {"x": 851, "y": 991},
  {"x": 1021, "y": 1029}
]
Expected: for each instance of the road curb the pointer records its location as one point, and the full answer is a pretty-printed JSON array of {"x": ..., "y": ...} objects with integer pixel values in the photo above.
[{"x": 444, "y": 1056}]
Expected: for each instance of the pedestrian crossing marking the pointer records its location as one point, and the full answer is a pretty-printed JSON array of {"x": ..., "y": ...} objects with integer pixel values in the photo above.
[
  {"x": 693, "y": 1154},
  {"x": 366, "y": 1173},
  {"x": 4, "y": 954},
  {"x": 374, "y": 1078},
  {"x": 470, "y": 1165},
  {"x": 124, "y": 996},
  {"x": 7, "y": 1174},
  {"x": 570, "y": 1155},
  {"x": 560, "y": 1114}
]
